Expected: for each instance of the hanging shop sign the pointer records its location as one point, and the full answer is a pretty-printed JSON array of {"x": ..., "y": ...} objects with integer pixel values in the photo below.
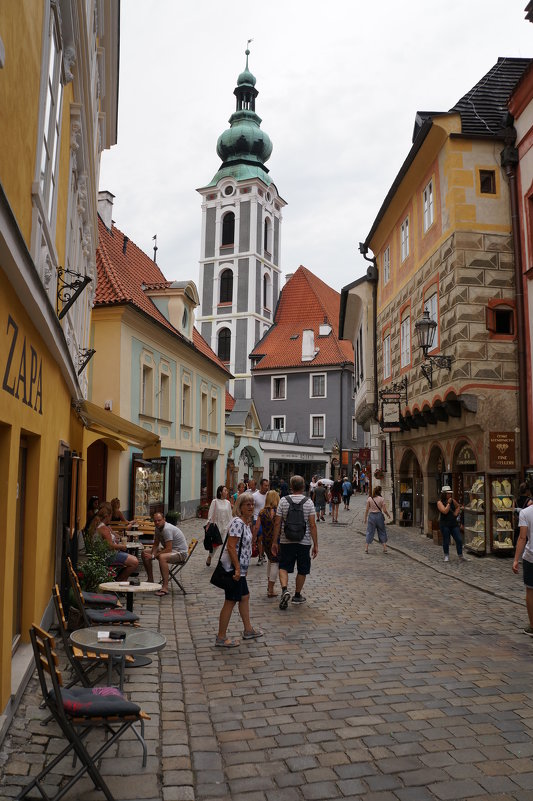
[
  {"x": 502, "y": 452},
  {"x": 390, "y": 413}
]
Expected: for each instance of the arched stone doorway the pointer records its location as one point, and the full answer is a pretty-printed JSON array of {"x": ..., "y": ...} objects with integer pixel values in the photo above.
[
  {"x": 435, "y": 479},
  {"x": 97, "y": 470},
  {"x": 411, "y": 491}
]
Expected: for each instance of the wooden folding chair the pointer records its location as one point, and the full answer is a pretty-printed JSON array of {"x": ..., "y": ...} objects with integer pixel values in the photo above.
[
  {"x": 83, "y": 663},
  {"x": 94, "y": 617},
  {"x": 175, "y": 569},
  {"x": 78, "y": 711}
]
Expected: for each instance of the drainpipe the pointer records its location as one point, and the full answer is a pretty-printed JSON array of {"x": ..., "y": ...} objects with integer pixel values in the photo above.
[{"x": 509, "y": 161}]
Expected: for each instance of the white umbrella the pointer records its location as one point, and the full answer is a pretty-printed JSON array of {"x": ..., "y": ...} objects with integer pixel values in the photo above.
[{"x": 327, "y": 481}]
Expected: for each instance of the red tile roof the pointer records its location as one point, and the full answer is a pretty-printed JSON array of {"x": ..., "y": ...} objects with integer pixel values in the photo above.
[
  {"x": 230, "y": 401},
  {"x": 305, "y": 302},
  {"x": 124, "y": 277}
]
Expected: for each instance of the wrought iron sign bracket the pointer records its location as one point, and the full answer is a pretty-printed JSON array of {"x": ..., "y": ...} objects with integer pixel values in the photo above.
[
  {"x": 441, "y": 362},
  {"x": 397, "y": 391},
  {"x": 84, "y": 357},
  {"x": 70, "y": 285}
]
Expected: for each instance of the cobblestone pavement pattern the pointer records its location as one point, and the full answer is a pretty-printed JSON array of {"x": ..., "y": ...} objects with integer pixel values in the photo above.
[{"x": 401, "y": 679}]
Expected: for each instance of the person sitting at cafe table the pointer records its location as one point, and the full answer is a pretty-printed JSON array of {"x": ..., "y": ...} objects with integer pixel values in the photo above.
[
  {"x": 116, "y": 515},
  {"x": 125, "y": 563},
  {"x": 170, "y": 547}
]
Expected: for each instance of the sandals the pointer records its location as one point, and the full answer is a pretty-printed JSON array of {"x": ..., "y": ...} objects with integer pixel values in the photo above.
[
  {"x": 160, "y": 593},
  {"x": 252, "y": 635},
  {"x": 221, "y": 642}
]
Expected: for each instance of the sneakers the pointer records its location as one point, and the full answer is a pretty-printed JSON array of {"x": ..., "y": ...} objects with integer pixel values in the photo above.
[
  {"x": 446, "y": 558},
  {"x": 529, "y": 631},
  {"x": 285, "y": 598},
  {"x": 298, "y": 599}
]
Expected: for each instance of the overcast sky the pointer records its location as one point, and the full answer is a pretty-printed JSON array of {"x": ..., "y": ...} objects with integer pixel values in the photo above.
[{"x": 339, "y": 85}]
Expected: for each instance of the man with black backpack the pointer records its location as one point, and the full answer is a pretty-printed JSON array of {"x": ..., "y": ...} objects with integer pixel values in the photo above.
[{"x": 295, "y": 518}]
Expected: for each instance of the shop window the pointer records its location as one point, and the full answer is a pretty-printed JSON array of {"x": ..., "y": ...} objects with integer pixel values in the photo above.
[
  {"x": 226, "y": 286},
  {"x": 228, "y": 229}
]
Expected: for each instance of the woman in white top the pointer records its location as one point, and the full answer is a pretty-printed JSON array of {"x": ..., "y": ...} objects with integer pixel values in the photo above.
[
  {"x": 374, "y": 511},
  {"x": 220, "y": 513}
]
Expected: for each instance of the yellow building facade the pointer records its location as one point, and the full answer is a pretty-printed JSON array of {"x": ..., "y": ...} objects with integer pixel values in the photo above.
[{"x": 59, "y": 83}]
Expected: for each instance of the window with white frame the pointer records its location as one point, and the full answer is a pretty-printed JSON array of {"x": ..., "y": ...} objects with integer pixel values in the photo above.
[
  {"x": 428, "y": 205},
  {"x": 386, "y": 356},
  {"x": 405, "y": 340},
  {"x": 278, "y": 423},
  {"x": 279, "y": 387},
  {"x": 431, "y": 305},
  {"x": 317, "y": 385},
  {"x": 213, "y": 423},
  {"x": 318, "y": 426},
  {"x": 386, "y": 265},
  {"x": 404, "y": 239},
  {"x": 203, "y": 410},
  {"x": 49, "y": 157},
  {"x": 186, "y": 401},
  {"x": 164, "y": 396},
  {"x": 147, "y": 390}
]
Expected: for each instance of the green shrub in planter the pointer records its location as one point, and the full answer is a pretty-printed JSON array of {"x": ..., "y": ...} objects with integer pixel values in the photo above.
[
  {"x": 172, "y": 517},
  {"x": 94, "y": 569}
]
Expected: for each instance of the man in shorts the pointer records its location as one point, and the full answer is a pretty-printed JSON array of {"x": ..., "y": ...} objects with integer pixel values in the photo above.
[
  {"x": 294, "y": 553},
  {"x": 170, "y": 547},
  {"x": 524, "y": 548}
]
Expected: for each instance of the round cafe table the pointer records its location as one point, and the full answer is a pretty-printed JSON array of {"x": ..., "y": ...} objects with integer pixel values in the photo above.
[
  {"x": 129, "y": 589},
  {"x": 136, "y": 643}
]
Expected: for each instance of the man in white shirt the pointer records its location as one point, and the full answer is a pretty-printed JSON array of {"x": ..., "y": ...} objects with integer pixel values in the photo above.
[
  {"x": 259, "y": 504},
  {"x": 524, "y": 548}
]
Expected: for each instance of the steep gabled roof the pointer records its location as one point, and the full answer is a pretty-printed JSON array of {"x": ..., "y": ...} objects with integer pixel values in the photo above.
[
  {"x": 305, "y": 303},
  {"x": 483, "y": 109},
  {"x": 125, "y": 272}
]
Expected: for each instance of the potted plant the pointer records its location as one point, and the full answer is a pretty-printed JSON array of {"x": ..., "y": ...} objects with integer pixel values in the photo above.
[
  {"x": 202, "y": 510},
  {"x": 172, "y": 517},
  {"x": 379, "y": 473},
  {"x": 94, "y": 569}
]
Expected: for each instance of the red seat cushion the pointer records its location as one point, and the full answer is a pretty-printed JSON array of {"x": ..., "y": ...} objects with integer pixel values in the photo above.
[
  {"x": 111, "y": 616},
  {"x": 100, "y": 598},
  {"x": 93, "y": 702}
]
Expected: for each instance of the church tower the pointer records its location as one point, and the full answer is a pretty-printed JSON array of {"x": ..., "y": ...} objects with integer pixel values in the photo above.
[{"x": 241, "y": 235}]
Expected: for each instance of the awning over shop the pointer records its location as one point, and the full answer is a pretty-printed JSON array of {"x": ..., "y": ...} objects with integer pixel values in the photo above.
[{"x": 107, "y": 424}]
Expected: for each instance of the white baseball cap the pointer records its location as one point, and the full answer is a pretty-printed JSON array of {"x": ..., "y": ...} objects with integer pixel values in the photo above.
[{"x": 446, "y": 488}]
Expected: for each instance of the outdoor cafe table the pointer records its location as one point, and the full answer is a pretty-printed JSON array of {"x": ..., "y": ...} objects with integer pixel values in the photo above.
[
  {"x": 137, "y": 643},
  {"x": 129, "y": 589}
]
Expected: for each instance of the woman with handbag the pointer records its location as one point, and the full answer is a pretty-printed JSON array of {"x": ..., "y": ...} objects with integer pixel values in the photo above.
[
  {"x": 232, "y": 567},
  {"x": 218, "y": 519},
  {"x": 374, "y": 512},
  {"x": 265, "y": 521}
]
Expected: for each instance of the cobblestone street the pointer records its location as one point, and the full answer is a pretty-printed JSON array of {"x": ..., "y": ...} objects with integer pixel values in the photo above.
[{"x": 401, "y": 679}]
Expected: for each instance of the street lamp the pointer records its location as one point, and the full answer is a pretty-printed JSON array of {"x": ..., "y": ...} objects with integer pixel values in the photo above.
[{"x": 426, "y": 328}]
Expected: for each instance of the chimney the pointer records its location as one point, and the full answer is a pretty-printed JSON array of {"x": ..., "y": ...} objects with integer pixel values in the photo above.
[
  {"x": 308, "y": 345},
  {"x": 125, "y": 243},
  {"x": 105, "y": 207},
  {"x": 288, "y": 277}
]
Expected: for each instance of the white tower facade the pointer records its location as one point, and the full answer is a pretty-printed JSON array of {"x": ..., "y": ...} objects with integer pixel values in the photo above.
[{"x": 240, "y": 244}]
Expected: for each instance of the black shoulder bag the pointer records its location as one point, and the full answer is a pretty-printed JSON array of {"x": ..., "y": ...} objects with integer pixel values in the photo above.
[{"x": 221, "y": 578}]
